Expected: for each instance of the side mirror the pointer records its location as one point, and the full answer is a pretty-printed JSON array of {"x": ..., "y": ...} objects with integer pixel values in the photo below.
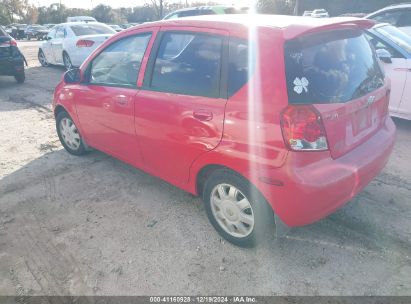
[
  {"x": 72, "y": 76},
  {"x": 384, "y": 55}
]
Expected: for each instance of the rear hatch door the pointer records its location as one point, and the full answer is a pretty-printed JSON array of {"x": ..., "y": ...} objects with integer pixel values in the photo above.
[{"x": 339, "y": 74}]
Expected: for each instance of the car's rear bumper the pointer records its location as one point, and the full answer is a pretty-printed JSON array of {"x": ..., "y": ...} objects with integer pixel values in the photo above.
[
  {"x": 311, "y": 192},
  {"x": 11, "y": 66}
]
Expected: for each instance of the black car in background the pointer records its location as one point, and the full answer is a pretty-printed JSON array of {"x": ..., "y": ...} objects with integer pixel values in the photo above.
[
  {"x": 11, "y": 59},
  {"x": 36, "y": 31}
]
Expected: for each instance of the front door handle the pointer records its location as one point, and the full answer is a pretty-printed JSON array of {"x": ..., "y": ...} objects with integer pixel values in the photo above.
[{"x": 203, "y": 115}]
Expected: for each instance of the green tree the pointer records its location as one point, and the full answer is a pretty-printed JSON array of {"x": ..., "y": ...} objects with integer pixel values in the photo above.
[
  {"x": 4, "y": 17},
  {"x": 14, "y": 9},
  {"x": 158, "y": 6},
  {"x": 103, "y": 13}
]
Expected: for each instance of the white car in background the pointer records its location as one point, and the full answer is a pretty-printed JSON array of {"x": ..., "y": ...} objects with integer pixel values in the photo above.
[
  {"x": 320, "y": 13},
  {"x": 81, "y": 19},
  {"x": 69, "y": 44},
  {"x": 398, "y": 15},
  {"x": 394, "y": 49}
]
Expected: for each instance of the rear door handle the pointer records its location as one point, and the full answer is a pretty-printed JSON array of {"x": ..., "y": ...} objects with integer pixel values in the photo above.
[
  {"x": 203, "y": 115},
  {"x": 121, "y": 100}
]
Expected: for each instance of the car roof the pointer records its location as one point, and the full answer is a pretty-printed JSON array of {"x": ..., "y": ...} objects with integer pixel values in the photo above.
[
  {"x": 291, "y": 26},
  {"x": 195, "y": 8},
  {"x": 80, "y": 23}
]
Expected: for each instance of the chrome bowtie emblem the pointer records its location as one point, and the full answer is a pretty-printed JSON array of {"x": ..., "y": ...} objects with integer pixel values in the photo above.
[{"x": 371, "y": 100}]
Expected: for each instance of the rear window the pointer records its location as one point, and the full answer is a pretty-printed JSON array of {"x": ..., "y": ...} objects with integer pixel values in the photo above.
[
  {"x": 91, "y": 29},
  {"x": 199, "y": 12},
  {"x": 331, "y": 67}
]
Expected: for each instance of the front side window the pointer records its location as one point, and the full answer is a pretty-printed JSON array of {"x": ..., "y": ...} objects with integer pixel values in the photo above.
[
  {"x": 60, "y": 33},
  {"x": 188, "y": 63},
  {"x": 331, "y": 67},
  {"x": 119, "y": 63},
  {"x": 52, "y": 33}
]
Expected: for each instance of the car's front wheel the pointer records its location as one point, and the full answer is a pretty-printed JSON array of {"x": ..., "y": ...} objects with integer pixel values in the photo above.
[
  {"x": 42, "y": 58},
  {"x": 237, "y": 210},
  {"x": 69, "y": 135}
]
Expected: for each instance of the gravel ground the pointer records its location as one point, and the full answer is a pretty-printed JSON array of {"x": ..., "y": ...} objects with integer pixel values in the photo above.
[{"x": 96, "y": 226}]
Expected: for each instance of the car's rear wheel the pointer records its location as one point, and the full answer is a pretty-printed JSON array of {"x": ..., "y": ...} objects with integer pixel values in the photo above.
[
  {"x": 42, "y": 58},
  {"x": 20, "y": 76},
  {"x": 69, "y": 135},
  {"x": 67, "y": 61},
  {"x": 237, "y": 210}
]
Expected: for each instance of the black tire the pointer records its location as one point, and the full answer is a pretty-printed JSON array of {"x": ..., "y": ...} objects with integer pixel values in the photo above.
[
  {"x": 81, "y": 149},
  {"x": 67, "y": 61},
  {"x": 20, "y": 76},
  {"x": 44, "y": 62},
  {"x": 264, "y": 225}
]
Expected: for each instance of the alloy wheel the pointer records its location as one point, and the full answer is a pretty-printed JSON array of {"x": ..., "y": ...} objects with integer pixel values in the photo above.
[{"x": 42, "y": 59}]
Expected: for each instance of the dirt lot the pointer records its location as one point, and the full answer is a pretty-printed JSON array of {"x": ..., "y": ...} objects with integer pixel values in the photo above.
[{"x": 94, "y": 225}]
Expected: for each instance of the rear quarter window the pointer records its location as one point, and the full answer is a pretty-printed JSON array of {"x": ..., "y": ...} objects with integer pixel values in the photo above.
[{"x": 331, "y": 67}]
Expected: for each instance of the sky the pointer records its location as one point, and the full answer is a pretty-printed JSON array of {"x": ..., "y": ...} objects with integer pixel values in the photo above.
[{"x": 119, "y": 3}]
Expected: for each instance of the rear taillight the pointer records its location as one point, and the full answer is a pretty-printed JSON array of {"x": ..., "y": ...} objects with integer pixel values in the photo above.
[
  {"x": 303, "y": 129},
  {"x": 85, "y": 43},
  {"x": 8, "y": 43}
]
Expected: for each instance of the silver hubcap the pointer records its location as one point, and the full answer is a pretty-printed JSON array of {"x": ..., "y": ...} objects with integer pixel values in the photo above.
[
  {"x": 42, "y": 59},
  {"x": 232, "y": 210},
  {"x": 69, "y": 133}
]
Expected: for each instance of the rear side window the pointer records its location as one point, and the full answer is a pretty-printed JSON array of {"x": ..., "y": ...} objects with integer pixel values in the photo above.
[
  {"x": 331, "y": 67},
  {"x": 405, "y": 19},
  {"x": 91, "y": 29},
  {"x": 189, "y": 64},
  {"x": 119, "y": 64},
  {"x": 391, "y": 17}
]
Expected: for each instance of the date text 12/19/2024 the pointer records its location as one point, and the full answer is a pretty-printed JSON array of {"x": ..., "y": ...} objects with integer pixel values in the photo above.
[{"x": 203, "y": 299}]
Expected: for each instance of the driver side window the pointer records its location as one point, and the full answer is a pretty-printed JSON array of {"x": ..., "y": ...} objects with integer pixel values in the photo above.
[
  {"x": 119, "y": 63},
  {"x": 51, "y": 34}
]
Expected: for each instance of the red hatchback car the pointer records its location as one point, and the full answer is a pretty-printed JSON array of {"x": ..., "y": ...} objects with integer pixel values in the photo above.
[{"x": 258, "y": 115}]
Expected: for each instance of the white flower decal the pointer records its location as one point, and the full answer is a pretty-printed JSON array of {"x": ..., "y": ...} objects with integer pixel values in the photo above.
[{"x": 301, "y": 84}]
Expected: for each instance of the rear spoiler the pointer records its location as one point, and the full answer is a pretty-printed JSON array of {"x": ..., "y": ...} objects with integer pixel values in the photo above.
[{"x": 295, "y": 31}]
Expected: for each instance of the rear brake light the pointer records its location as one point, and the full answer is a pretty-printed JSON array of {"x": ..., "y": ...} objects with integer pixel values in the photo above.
[
  {"x": 9, "y": 43},
  {"x": 85, "y": 43},
  {"x": 303, "y": 129}
]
